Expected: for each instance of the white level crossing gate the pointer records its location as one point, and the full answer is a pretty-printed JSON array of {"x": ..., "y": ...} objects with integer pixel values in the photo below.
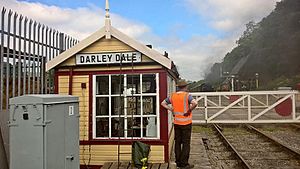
[{"x": 247, "y": 107}]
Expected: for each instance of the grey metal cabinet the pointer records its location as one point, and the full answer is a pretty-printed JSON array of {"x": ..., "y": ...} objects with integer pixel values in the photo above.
[{"x": 44, "y": 132}]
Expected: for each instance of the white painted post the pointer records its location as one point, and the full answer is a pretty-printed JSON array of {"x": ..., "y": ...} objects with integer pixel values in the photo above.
[
  {"x": 205, "y": 107},
  {"x": 249, "y": 108},
  {"x": 232, "y": 83},
  {"x": 125, "y": 106},
  {"x": 294, "y": 107},
  {"x": 109, "y": 108}
]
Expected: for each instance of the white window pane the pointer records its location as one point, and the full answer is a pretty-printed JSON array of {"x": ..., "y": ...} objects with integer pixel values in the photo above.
[
  {"x": 150, "y": 126},
  {"x": 110, "y": 103},
  {"x": 102, "y": 106},
  {"x": 102, "y": 127},
  {"x": 117, "y": 127},
  {"x": 117, "y": 105},
  {"x": 134, "y": 127},
  {"x": 117, "y": 84},
  {"x": 149, "y": 105},
  {"x": 133, "y": 84},
  {"x": 149, "y": 83},
  {"x": 102, "y": 85},
  {"x": 133, "y": 105}
]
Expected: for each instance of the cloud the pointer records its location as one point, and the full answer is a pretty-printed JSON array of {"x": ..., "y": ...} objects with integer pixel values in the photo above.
[
  {"x": 79, "y": 22},
  {"x": 230, "y": 15},
  {"x": 194, "y": 56}
]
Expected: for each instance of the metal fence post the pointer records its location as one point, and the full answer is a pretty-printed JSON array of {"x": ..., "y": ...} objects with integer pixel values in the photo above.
[
  {"x": 34, "y": 57},
  {"x": 25, "y": 56},
  {"x": 19, "y": 56},
  {"x": 29, "y": 56},
  {"x": 61, "y": 43},
  {"x": 38, "y": 60},
  {"x": 3, "y": 155},
  {"x": 14, "y": 55},
  {"x": 43, "y": 62},
  {"x": 7, "y": 59},
  {"x": 1, "y": 57},
  {"x": 25, "y": 47}
]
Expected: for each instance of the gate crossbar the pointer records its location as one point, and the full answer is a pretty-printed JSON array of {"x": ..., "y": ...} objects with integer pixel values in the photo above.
[
  {"x": 247, "y": 97},
  {"x": 226, "y": 108},
  {"x": 271, "y": 107}
]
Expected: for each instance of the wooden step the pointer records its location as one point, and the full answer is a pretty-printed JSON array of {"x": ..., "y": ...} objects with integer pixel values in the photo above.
[{"x": 127, "y": 165}]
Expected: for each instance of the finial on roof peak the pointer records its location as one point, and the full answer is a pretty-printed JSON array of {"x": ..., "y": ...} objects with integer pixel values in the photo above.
[
  {"x": 107, "y": 9},
  {"x": 107, "y": 21}
]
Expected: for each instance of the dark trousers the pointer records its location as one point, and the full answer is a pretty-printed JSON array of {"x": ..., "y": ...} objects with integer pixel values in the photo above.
[{"x": 182, "y": 144}]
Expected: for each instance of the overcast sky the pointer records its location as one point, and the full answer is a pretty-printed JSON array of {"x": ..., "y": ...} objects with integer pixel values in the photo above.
[{"x": 195, "y": 33}]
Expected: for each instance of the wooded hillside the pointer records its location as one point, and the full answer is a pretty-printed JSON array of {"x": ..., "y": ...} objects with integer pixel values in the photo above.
[{"x": 270, "y": 48}]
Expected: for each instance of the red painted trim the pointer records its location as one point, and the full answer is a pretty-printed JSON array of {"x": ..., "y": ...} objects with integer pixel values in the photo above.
[
  {"x": 164, "y": 135},
  {"x": 163, "y": 86},
  {"x": 90, "y": 166},
  {"x": 90, "y": 107},
  {"x": 61, "y": 73},
  {"x": 107, "y": 66},
  {"x": 112, "y": 72},
  {"x": 56, "y": 87},
  {"x": 70, "y": 81},
  {"x": 173, "y": 76},
  {"x": 122, "y": 142}
]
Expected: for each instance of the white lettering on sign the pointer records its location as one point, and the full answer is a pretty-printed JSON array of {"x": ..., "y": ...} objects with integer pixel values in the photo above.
[
  {"x": 71, "y": 110},
  {"x": 108, "y": 58}
]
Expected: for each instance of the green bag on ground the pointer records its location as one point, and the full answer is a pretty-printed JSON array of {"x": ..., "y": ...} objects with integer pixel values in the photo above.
[{"x": 140, "y": 154}]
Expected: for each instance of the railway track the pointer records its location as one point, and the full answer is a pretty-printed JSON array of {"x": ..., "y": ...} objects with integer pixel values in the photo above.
[
  {"x": 219, "y": 154},
  {"x": 254, "y": 149},
  {"x": 286, "y": 134}
]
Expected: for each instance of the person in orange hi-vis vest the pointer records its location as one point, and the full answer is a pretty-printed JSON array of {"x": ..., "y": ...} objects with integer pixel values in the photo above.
[{"x": 182, "y": 105}]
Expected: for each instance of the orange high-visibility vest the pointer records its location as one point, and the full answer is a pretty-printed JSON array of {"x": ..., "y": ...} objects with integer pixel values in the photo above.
[{"x": 180, "y": 105}]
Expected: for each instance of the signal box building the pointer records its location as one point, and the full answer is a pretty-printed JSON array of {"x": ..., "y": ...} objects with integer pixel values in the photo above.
[{"x": 120, "y": 84}]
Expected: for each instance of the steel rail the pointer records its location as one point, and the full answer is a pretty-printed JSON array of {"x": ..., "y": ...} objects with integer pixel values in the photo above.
[
  {"x": 226, "y": 141},
  {"x": 297, "y": 154},
  {"x": 296, "y": 126}
]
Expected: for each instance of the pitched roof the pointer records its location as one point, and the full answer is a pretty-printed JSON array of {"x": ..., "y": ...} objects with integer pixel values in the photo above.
[{"x": 151, "y": 53}]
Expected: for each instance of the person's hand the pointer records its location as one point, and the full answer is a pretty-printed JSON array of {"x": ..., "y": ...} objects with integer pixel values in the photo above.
[
  {"x": 187, "y": 113},
  {"x": 171, "y": 109}
]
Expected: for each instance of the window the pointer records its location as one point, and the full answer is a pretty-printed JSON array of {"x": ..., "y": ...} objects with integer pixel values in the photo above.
[{"x": 126, "y": 106}]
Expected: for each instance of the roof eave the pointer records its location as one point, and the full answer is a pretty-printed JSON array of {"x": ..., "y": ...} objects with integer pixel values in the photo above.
[
  {"x": 78, "y": 47},
  {"x": 153, "y": 54}
]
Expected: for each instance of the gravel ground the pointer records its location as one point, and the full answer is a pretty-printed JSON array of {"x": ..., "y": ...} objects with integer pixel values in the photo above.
[
  {"x": 286, "y": 134},
  {"x": 220, "y": 157},
  {"x": 258, "y": 151}
]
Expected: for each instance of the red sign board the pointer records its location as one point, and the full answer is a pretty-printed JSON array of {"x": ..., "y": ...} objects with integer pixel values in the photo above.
[{"x": 284, "y": 108}]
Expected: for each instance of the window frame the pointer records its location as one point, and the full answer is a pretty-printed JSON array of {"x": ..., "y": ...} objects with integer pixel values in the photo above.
[{"x": 110, "y": 96}]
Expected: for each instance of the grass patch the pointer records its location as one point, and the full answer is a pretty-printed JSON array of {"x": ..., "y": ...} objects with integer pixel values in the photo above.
[
  {"x": 269, "y": 129},
  {"x": 236, "y": 130},
  {"x": 201, "y": 129}
]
